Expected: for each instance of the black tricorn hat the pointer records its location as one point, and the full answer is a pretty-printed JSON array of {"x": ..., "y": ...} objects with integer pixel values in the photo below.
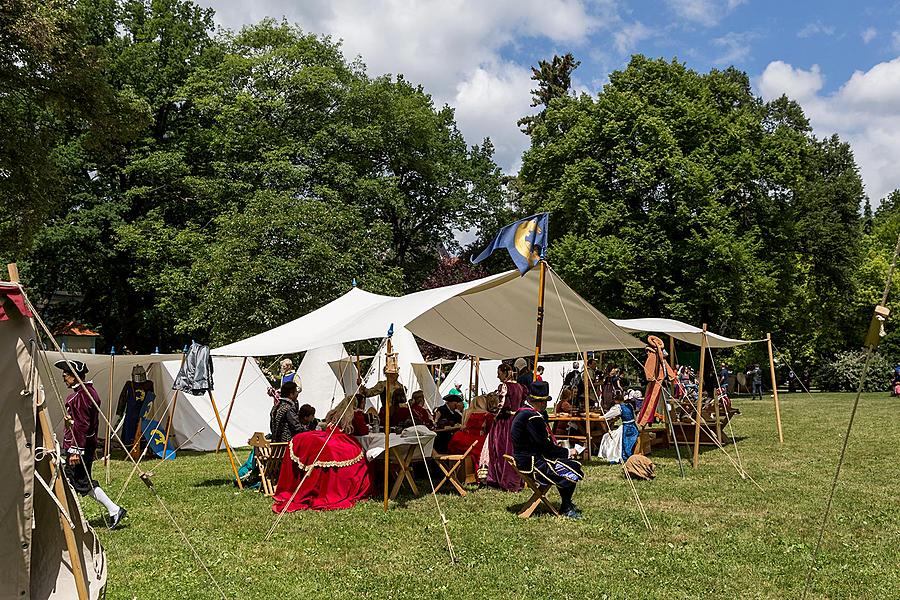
[
  {"x": 452, "y": 398},
  {"x": 540, "y": 391},
  {"x": 73, "y": 367}
]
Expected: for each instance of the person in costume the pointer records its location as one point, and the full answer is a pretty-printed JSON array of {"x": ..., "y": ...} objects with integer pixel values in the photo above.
[
  {"x": 536, "y": 452},
  {"x": 284, "y": 418},
  {"x": 399, "y": 410},
  {"x": 133, "y": 402},
  {"x": 80, "y": 437},
  {"x": 289, "y": 374},
  {"x": 448, "y": 414},
  {"x": 510, "y": 396},
  {"x": 324, "y": 469},
  {"x": 524, "y": 375},
  {"x": 308, "y": 420},
  {"x": 360, "y": 423},
  {"x": 617, "y": 446},
  {"x": 420, "y": 412},
  {"x": 476, "y": 422}
]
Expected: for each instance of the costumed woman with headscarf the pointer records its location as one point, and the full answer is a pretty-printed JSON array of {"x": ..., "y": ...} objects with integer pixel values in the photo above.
[
  {"x": 332, "y": 462},
  {"x": 510, "y": 396},
  {"x": 618, "y": 445}
]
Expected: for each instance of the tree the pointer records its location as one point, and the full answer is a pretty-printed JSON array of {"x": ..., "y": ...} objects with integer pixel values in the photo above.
[{"x": 554, "y": 80}]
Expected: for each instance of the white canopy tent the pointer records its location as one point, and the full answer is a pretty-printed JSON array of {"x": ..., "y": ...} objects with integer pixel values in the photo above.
[
  {"x": 491, "y": 317},
  {"x": 192, "y": 413},
  {"x": 322, "y": 388},
  {"x": 680, "y": 331}
]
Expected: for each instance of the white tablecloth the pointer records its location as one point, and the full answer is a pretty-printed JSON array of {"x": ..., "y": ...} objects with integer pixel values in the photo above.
[{"x": 373, "y": 443}]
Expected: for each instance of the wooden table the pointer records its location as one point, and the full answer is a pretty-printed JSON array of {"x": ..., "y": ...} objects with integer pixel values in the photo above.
[{"x": 579, "y": 422}]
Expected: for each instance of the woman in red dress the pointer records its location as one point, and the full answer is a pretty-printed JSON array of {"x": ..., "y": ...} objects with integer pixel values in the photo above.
[
  {"x": 324, "y": 469},
  {"x": 476, "y": 423}
]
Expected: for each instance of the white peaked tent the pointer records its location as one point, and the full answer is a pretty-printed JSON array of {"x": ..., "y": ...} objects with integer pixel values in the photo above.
[
  {"x": 35, "y": 561},
  {"x": 491, "y": 317},
  {"x": 679, "y": 331},
  {"x": 194, "y": 425},
  {"x": 321, "y": 387}
]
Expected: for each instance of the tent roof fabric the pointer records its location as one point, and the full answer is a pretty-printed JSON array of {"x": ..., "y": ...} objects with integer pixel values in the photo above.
[
  {"x": 679, "y": 331},
  {"x": 492, "y": 317}
]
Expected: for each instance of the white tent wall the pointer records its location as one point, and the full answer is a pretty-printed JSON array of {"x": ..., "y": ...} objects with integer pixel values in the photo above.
[
  {"x": 321, "y": 387},
  {"x": 554, "y": 374},
  {"x": 408, "y": 353}
]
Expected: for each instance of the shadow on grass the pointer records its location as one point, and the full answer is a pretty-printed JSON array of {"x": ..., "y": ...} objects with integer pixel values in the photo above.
[{"x": 215, "y": 483}]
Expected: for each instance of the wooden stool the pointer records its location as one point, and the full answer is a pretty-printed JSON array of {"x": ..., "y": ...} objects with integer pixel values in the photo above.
[
  {"x": 538, "y": 492},
  {"x": 268, "y": 456},
  {"x": 449, "y": 463}
]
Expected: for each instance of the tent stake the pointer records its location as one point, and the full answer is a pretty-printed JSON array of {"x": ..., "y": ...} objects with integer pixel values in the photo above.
[
  {"x": 224, "y": 439},
  {"x": 698, "y": 417},
  {"x": 775, "y": 390},
  {"x": 237, "y": 384}
]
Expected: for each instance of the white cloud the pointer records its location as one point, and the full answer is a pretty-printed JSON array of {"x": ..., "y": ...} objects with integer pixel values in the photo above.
[
  {"x": 815, "y": 28},
  {"x": 868, "y": 34},
  {"x": 628, "y": 37},
  {"x": 735, "y": 46},
  {"x": 452, "y": 48},
  {"x": 864, "y": 111},
  {"x": 704, "y": 12}
]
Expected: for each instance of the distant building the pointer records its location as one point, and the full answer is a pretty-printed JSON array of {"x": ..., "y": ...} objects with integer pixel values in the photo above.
[{"x": 75, "y": 337}]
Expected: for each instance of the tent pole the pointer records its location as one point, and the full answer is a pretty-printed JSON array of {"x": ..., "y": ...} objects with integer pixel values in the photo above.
[
  {"x": 716, "y": 398},
  {"x": 172, "y": 404},
  {"x": 224, "y": 439},
  {"x": 670, "y": 431},
  {"x": 539, "y": 331},
  {"x": 698, "y": 416},
  {"x": 390, "y": 373},
  {"x": 58, "y": 487},
  {"x": 237, "y": 384},
  {"x": 477, "y": 373},
  {"x": 109, "y": 396},
  {"x": 471, "y": 375},
  {"x": 587, "y": 408},
  {"x": 775, "y": 389}
]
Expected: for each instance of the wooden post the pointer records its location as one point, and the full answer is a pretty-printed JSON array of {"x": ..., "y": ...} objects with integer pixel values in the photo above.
[
  {"x": 672, "y": 353},
  {"x": 698, "y": 417},
  {"x": 233, "y": 398},
  {"x": 172, "y": 404},
  {"x": 471, "y": 375},
  {"x": 59, "y": 489},
  {"x": 390, "y": 374},
  {"x": 109, "y": 397},
  {"x": 775, "y": 389},
  {"x": 539, "y": 331},
  {"x": 225, "y": 440},
  {"x": 477, "y": 373},
  {"x": 587, "y": 407}
]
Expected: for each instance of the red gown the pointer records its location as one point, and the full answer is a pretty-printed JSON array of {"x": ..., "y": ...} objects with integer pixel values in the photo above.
[
  {"x": 475, "y": 431},
  {"x": 339, "y": 476}
]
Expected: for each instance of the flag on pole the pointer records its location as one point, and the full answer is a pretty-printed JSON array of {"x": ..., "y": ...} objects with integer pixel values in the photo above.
[{"x": 525, "y": 240}]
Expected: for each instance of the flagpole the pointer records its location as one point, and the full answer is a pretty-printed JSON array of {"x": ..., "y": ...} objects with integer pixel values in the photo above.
[{"x": 539, "y": 332}]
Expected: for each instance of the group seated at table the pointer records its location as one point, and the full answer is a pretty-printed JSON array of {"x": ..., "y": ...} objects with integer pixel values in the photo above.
[{"x": 327, "y": 468}]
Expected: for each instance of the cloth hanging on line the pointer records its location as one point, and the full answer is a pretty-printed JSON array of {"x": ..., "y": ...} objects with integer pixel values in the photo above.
[{"x": 196, "y": 373}]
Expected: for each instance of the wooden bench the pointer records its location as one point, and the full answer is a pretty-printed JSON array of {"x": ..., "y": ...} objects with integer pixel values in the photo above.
[
  {"x": 268, "y": 456},
  {"x": 538, "y": 492}
]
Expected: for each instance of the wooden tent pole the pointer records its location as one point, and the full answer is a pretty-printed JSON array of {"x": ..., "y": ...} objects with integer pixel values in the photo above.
[
  {"x": 224, "y": 439},
  {"x": 172, "y": 404},
  {"x": 109, "y": 396},
  {"x": 237, "y": 384},
  {"x": 698, "y": 416},
  {"x": 471, "y": 376},
  {"x": 775, "y": 389},
  {"x": 539, "y": 330},
  {"x": 59, "y": 490},
  {"x": 477, "y": 373},
  {"x": 390, "y": 374},
  {"x": 716, "y": 399},
  {"x": 587, "y": 407}
]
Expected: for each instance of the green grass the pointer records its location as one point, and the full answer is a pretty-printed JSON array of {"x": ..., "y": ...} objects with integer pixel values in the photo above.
[{"x": 714, "y": 535}]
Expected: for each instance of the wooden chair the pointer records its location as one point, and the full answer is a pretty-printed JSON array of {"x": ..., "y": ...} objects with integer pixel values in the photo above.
[
  {"x": 538, "y": 492},
  {"x": 449, "y": 463},
  {"x": 268, "y": 456}
]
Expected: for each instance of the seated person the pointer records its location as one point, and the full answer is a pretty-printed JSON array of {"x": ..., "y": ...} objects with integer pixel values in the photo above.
[
  {"x": 420, "y": 412},
  {"x": 399, "y": 410},
  {"x": 563, "y": 407},
  {"x": 476, "y": 423},
  {"x": 360, "y": 422},
  {"x": 449, "y": 414},
  {"x": 537, "y": 454},
  {"x": 618, "y": 445},
  {"x": 325, "y": 469},
  {"x": 284, "y": 418},
  {"x": 308, "y": 418}
]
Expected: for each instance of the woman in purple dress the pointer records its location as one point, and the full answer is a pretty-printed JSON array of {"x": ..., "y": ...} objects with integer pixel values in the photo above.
[{"x": 510, "y": 395}]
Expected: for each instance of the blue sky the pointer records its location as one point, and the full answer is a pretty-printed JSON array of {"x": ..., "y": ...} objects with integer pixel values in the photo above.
[{"x": 840, "y": 60}]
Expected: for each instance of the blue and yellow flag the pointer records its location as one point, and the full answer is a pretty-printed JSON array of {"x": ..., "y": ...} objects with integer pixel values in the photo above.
[{"x": 525, "y": 240}]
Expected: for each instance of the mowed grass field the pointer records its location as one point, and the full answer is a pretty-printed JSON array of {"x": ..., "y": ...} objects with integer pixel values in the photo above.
[{"x": 714, "y": 535}]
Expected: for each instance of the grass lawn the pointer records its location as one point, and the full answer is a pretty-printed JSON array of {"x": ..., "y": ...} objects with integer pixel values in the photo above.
[{"x": 714, "y": 535}]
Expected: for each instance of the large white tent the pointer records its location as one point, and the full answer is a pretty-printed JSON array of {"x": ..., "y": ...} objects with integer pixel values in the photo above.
[
  {"x": 491, "y": 317},
  {"x": 679, "y": 331},
  {"x": 322, "y": 388},
  {"x": 192, "y": 413}
]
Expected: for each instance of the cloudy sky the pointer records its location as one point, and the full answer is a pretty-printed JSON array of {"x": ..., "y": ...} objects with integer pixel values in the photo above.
[{"x": 840, "y": 60}]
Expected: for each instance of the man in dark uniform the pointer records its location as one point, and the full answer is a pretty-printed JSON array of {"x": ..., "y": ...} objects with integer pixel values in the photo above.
[
  {"x": 80, "y": 438},
  {"x": 536, "y": 452}
]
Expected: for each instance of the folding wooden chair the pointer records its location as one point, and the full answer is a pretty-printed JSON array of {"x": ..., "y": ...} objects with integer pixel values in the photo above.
[
  {"x": 538, "y": 492},
  {"x": 268, "y": 456},
  {"x": 449, "y": 463}
]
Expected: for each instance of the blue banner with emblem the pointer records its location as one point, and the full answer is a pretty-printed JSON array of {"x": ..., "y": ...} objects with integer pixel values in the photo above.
[
  {"x": 156, "y": 438},
  {"x": 525, "y": 240}
]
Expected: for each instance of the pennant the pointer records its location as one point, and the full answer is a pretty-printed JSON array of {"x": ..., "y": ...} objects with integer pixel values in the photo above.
[{"x": 525, "y": 240}]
